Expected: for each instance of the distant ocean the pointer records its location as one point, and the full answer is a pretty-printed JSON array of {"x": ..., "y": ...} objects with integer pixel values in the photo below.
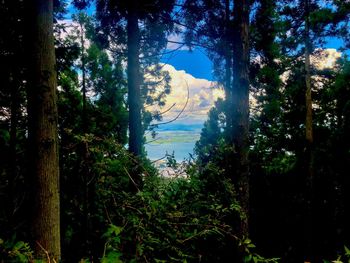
[{"x": 177, "y": 138}]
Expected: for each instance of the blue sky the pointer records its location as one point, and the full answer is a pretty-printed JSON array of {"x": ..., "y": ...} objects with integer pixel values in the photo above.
[
  {"x": 193, "y": 69},
  {"x": 194, "y": 62},
  {"x": 199, "y": 65}
]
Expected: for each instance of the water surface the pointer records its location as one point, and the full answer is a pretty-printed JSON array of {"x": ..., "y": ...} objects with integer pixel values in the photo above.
[{"x": 177, "y": 138}]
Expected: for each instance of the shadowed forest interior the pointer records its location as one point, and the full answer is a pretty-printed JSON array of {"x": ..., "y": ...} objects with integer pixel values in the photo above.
[{"x": 174, "y": 131}]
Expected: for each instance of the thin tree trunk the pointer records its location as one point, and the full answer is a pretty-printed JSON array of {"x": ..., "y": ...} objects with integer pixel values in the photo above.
[
  {"x": 228, "y": 71},
  {"x": 240, "y": 99},
  {"x": 43, "y": 132},
  {"x": 308, "y": 98},
  {"x": 83, "y": 149},
  {"x": 309, "y": 132},
  {"x": 15, "y": 108},
  {"x": 83, "y": 72}
]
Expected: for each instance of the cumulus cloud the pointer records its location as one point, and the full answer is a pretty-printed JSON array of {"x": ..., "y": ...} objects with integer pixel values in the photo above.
[{"x": 202, "y": 95}]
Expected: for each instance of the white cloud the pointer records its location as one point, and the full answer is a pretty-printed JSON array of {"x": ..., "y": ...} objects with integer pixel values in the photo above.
[
  {"x": 325, "y": 58},
  {"x": 176, "y": 46},
  {"x": 321, "y": 59},
  {"x": 69, "y": 27},
  {"x": 202, "y": 95}
]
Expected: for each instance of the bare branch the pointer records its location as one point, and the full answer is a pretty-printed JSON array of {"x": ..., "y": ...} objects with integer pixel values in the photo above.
[
  {"x": 182, "y": 110},
  {"x": 132, "y": 180},
  {"x": 172, "y": 106}
]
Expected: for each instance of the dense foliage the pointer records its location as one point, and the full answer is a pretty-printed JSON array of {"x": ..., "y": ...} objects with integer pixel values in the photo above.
[{"x": 114, "y": 205}]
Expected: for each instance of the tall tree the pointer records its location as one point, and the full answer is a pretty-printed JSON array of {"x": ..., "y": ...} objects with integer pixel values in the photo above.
[
  {"x": 309, "y": 136},
  {"x": 227, "y": 44},
  {"x": 312, "y": 22},
  {"x": 265, "y": 77},
  {"x": 83, "y": 151},
  {"x": 140, "y": 39},
  {"x": 82, "y": 21},
  {"x": 283, "y": 126},
  {"x": 42, "y": 112},
  {"x": 240, "y": 104},
  {"x": 134, "y": 92},
  {"x": 228, "y": 65}
]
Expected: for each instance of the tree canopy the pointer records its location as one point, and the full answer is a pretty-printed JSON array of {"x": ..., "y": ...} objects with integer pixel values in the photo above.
[{"x": 84, "y": 89}]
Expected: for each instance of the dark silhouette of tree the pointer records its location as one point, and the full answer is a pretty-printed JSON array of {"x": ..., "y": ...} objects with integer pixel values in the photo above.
[
  {"x": 142, "y": 49},
  {"x": 240, "y": 105},
  {"x": 224, "y": 28},
  {"x": 134, "y": 79}
]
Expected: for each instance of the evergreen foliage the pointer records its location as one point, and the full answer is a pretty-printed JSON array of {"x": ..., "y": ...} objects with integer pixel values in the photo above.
[{"x": 114, "y": 204}]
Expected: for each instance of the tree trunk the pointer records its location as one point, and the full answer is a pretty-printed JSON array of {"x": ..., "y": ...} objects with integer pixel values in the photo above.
[
  {"x": 228, "y": 71},
  {"x": 133, "y": 71},
  {"x": 83, "y": 73},
  {"x": 84, "y": 149},
  {"x": 43, "y": 131},
  {"x": 240, "y": 102},
  {"x": 15, "y": 112},
  {"x": 308, "y": 98},
  {"x": 308, "y": 134}
]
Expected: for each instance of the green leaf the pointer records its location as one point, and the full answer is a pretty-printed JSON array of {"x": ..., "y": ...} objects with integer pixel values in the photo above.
[
  {"x": 248, "y": 258},
  {"x": 112, "y": 257},
  {"x": 18, "y": 245},
  {"x": 112, "y": 230}
]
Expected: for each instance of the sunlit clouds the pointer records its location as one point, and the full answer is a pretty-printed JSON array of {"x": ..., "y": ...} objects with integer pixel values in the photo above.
[
  {"x": 202, "y": 95},
  {"x": 325, "y": 58}
]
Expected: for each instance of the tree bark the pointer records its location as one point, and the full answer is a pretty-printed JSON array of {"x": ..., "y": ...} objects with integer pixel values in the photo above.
[
  {"x": 133, "y": 72},
  {"x": 43, "y": 131},
  {"x": 308, "y": 134},
  {"x": 240, "y": 102}
]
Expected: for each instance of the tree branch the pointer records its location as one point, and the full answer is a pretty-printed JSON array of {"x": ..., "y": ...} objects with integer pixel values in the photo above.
[{"x": 182, "y": 110}]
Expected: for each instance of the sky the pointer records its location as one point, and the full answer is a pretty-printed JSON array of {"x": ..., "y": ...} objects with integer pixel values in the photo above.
[
  {"x": 201, "y": 94},
  {"x": 194, "y": 62},
  {"x": 186, "y": 67},
  {"x": 192, "y": 69}
]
